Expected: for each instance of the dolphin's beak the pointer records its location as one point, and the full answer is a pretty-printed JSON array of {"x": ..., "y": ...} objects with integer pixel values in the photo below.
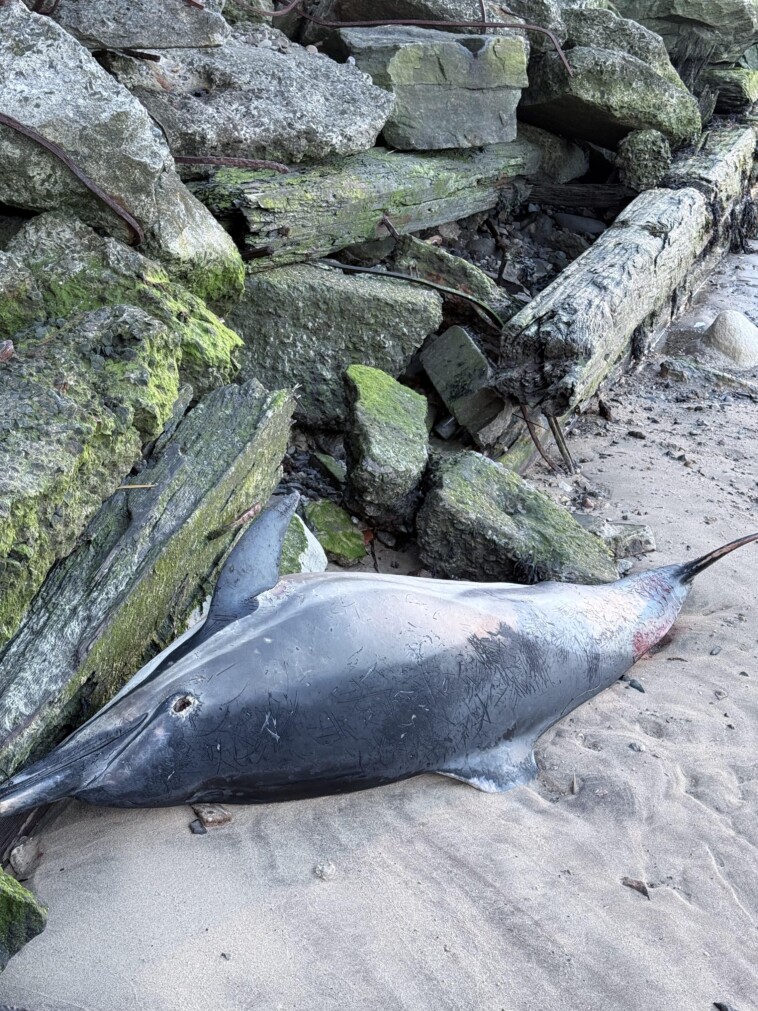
[{"x": 67, "y": 769}]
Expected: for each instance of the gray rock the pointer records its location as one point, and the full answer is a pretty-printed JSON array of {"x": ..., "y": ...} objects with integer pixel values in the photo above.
[
  {"x": 246, "y": 11},
  {"x": 451, "y": 91},
  {"x": 602, "y": 29},
  {"x": 341, "y": 539},
  {"x": 260, "y": 96},
  {"x": 482, "y": 521},
  {"x": 51, "y": 83},
  {"x": 643, "y": 159},
  {"x": 386, "y": 443},
  {"x": 720, "y": 29},
  {"x": 736, "y": 88},
  {"x": 461, "y": 374},
  {"x": 609, "y": 95},
  {"x": 735, "y": 336},
  {"x": 304, "y": 325},
  {"x": 301, "y": 551},
  {"x": 140, "y": 24},
  {"x": 561, "y": 159}
]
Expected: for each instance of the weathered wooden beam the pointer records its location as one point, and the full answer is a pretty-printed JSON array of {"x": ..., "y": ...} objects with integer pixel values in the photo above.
[
  {"x": 557, "y": 351},
  {"x": 578, "y": 195},
  {"x": 128, "y": 588},
  {"x": 314, "y": 211}
]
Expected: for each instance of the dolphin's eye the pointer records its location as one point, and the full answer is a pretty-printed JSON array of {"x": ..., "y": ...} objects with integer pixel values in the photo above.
[{"x": 183, "y": 703}]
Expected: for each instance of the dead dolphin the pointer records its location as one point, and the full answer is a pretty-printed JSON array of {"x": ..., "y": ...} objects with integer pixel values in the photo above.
[{"x": 317, "y": 684}]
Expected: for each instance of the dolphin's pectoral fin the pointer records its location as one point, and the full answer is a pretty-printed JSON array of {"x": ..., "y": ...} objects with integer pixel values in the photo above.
[
  {"x": 251, "y": 568},
  {"x": 495, "y": 770}
]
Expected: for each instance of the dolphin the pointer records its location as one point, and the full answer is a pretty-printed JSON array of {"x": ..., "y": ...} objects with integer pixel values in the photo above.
[{"x": 322, "y": 683}]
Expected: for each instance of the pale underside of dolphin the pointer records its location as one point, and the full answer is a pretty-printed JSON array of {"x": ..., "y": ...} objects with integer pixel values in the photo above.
[{"x": 324, "y": 683}]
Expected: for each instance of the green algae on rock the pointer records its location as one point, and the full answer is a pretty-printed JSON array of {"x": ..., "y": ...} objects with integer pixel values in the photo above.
[
  {"x": 481, "y": 521},
  {"x": 145, "y": 561},
  {"x": 304, "y": 325},
  {"x": 301, "y": 550},
  {"x": 340, "y": 538},
  {"x": 386, "y": 445},
  {"x": 105, "y": 342},
  {"x": 22, "y": 917}
]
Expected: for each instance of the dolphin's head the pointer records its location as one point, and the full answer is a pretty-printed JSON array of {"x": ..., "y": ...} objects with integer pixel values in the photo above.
[{"x": 140, "y": 750}]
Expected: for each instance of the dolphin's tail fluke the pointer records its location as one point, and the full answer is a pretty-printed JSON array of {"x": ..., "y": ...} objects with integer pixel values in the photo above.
[{"x": 688, "y": 570}]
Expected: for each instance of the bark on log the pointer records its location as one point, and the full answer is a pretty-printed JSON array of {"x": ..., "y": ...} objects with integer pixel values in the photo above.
[
  {"x": 314, "y": 211},
  {"x": 559, "y": 348},
  {"x": 130, "y": 585}
]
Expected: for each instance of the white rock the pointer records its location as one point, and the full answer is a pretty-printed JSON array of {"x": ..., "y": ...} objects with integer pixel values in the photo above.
[{"x": 735, "y": 336}]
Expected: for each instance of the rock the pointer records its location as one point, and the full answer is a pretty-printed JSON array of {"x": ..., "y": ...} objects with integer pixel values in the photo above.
[
  {"x": 451, "y": 91},
  {"x": 461, "y": 375},
  {"x": 103, "y": 342},
  {"x": 736, "y": 88},
  {"x": 720, "y": 30},
  {"x": 304, "y": 325},
  {"x": 246, "y": 11},
  {"x": 22, "y": 917},
  {"x": 141, "y": 24},
  {"x": 340, "y": 538},
  {"x": 259, "y": 96},
  {"x": 602, "y": 29},
  {"x": 212, "y": 815},
  {"x": 643, "y": 159},
  {"x": 146, "y": 560},
  {"x": 625, "y": 539},
  {"x": 301, "y": 551},
  {"x": 609, "y": 95},
  {"x": 386, "y": 443},
  {"x": 51, "y": 84},
  {"x": 482, "y": 521},
  {"x": 561, "y": 160},
  {"x": 735, "y": 336}
]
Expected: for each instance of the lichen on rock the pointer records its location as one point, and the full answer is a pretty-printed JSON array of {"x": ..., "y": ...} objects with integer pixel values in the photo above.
[
  {"x": 340, "y": 538},
  {"x": 22, "y": 917},
  {"x": 482, "y": 521}
]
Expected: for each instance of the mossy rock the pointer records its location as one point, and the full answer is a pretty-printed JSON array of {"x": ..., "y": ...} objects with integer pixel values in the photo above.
[
  {"x": 21, "y": 917},
  {"x": 339, "y": 537},
  {"x": 103, "y": 343},
  {"x": 482, "y": 521},
  {"x": 301, "y": 551},
  {"x": 387, "y": 446}
]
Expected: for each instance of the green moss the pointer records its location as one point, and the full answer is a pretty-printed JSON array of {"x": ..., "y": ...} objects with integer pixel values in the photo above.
[
  {"x": 387, "y": 402},
  {"x": 21, "y": 917},
  {"x": 341, "y": 540},
  {"x": 294, "y": 547}
]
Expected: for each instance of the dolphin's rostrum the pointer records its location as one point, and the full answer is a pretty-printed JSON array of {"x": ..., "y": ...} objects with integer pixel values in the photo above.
[{"x": 323, "y": 683}]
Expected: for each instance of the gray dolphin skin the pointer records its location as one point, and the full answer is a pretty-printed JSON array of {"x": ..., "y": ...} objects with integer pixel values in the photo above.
[{"x": 322, "y": 683}]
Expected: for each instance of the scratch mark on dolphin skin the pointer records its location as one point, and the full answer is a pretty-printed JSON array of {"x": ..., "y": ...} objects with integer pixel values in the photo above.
[{"x": 268, "y": 728}]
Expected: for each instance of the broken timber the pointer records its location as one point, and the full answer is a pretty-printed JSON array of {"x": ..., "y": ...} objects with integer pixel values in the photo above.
[
  {"x": 314, "y": 211},
  {"x": 610, "y": 303}
]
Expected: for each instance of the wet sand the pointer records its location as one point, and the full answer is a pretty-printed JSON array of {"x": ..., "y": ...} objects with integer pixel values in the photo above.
[{"x": 442, "y": 897}]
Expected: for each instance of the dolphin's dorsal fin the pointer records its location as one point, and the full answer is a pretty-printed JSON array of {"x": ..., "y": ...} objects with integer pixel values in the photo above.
[
  {"x": 251, "y": 568},
  {"x": 497, "y": 769}
]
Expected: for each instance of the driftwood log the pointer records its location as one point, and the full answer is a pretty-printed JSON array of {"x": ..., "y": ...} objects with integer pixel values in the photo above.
[
  {"x": 128, "y": 588},
  {"x": 610, "y": 301},
  {"x": 314, "y": 211}
]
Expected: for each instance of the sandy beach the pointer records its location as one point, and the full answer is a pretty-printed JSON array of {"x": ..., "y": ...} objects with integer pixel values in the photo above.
[{"x": 430, "y": 895}]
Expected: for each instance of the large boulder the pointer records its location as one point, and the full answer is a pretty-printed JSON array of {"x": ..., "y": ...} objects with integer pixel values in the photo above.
[
  {"x": 451, "y": 91},
  {"x": 140, "y": 24},
  {"x": 609, "y": 94},
  {"x": 304, "y": 325},
  {"x": 387, "y": 447},
  {"x": 482, "y": 521},
  {"x": 721, "y": 30},
  {"x": 103, "y": 343},
  {"x": 260, "y": 96},
  {"x": 49, "y": 82}
]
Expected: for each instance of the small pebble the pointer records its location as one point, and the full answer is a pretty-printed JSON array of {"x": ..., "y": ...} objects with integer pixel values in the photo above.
[
  {"x": 197, "y": 828},
  {"x": 225, "y": 955},
  {"x": 325, "y": 871},
  {"x": 634, "y": 433},
  {"x": 720, "y": 693},
  {"x": 744, "y": 674},
  {"x": 715, "y": 651},
  {"x": 634, "y": 683},
  {"x": 636, "y": 746},
  {"x": 638, "y": 886}
]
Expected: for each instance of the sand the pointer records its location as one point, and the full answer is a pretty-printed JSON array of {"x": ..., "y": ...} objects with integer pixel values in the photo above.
[{"x": 436, "y": 896}]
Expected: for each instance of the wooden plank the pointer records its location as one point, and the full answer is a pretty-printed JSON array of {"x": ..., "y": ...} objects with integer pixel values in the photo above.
[{"x": 314, "y": 211}]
